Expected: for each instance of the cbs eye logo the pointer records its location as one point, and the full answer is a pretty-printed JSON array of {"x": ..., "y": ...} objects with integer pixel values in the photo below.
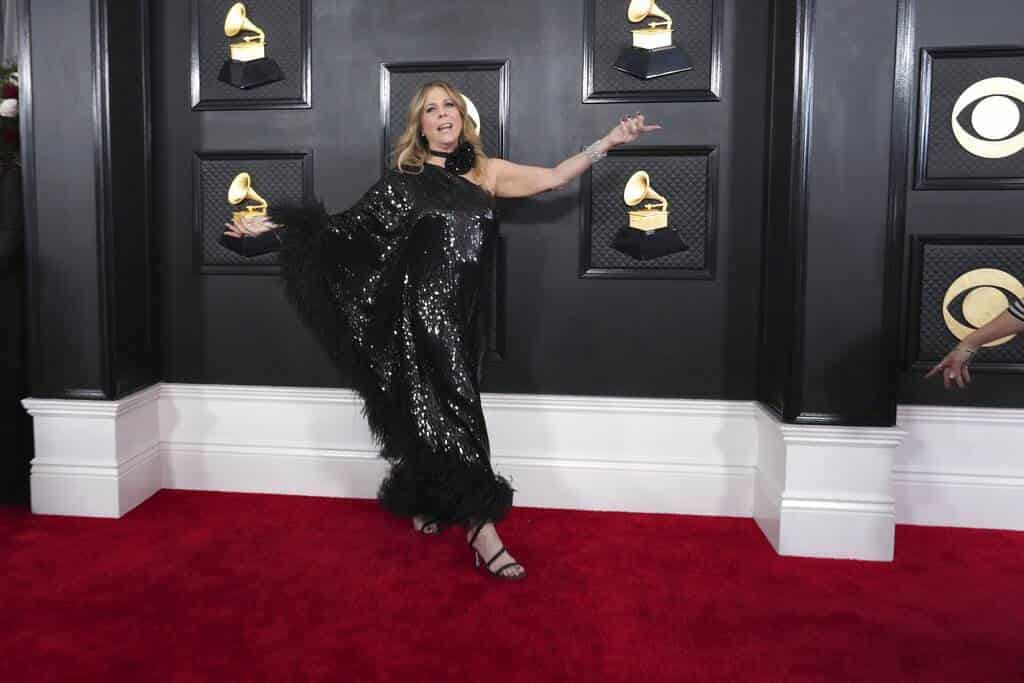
[
  {"x": 976, "y": 297},
  {"x": 987, "y": 118}
]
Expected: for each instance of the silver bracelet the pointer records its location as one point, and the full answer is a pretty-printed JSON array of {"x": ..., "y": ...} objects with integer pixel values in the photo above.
[{"x": 594, "y": 153}]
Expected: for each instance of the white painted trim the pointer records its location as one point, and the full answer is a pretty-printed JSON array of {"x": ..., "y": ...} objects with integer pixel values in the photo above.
[
  {"x": 259, "y": 393},
  {"x": 960, "y": 415},
  {"x": 95, "y": 458},
  {"x": 656, "y": 455},
  {"x": 848, "y": 436},
  {"x": 960, "y": 467},
  {"x": 619, "y": 406},
  {"x": 955, "y": 466},
  {"x": 825, "y": 491},
  {"x": 55, "y": 407}
]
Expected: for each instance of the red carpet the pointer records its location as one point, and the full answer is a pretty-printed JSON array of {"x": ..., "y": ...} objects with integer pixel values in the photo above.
[{"x": 233, "y": 587}]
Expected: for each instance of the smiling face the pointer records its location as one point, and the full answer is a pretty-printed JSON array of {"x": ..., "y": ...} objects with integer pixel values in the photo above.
[{"x": 440, "y": 120}]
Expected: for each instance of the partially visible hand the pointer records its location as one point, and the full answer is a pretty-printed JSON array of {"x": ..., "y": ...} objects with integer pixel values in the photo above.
[
  {"x": 249, "y": 225},
  {"x": 954, "y": 368},
  {"x": 629, "y": 129}
]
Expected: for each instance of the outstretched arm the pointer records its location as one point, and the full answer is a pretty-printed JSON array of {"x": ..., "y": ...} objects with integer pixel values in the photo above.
[
  {"x": 519, "y": 180},
  {"x": 954, "y": 366}
]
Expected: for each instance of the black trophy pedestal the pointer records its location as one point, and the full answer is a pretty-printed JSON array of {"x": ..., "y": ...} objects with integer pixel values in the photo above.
[
  {"x": 247, "y": 75},
  {"x": 637, "y": 61},
  {"x": 644, "y": 245}
]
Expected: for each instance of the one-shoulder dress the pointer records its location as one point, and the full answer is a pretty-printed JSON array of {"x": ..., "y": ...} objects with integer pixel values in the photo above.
[{"x": 394, "y": 285}]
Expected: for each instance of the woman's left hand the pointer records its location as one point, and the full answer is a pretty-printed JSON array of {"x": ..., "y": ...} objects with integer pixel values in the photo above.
[
  {"x": 629, "y": 129},
  {"x": 954, "y": 368}
]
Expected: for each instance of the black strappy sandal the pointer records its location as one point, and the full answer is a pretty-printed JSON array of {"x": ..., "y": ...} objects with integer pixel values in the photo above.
[{"x": 499, "y": 572}]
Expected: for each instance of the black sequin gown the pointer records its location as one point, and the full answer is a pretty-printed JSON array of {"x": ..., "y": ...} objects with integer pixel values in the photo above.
[{"x": 394, "y": 285}]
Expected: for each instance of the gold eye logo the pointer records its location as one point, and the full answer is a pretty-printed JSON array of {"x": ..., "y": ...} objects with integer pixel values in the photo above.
[
  {"x": 988, "y": 118},
  {"x": 976, "y": 297}
]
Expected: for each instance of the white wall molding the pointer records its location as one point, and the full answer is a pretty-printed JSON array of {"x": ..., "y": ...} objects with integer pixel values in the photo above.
[
  {"x": 95, "y": 458},
  {"x": 955, "y": 466},
  {"x": 960, "y": 467},
  {"x": 961, "y": 415},
  {"x": 825, "y": 491},
  {"x": 650, "y": 455}
]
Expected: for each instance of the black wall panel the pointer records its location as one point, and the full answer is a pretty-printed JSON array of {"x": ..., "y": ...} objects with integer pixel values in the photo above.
[
  {"x": 696, "y": 32},
  {"x": 845, "y": 354},
  {"x": 945, "y": 75},
  {"x": 90, "y": 252},
  {"x": 277, "y": 177},
  {"x": 129, "y": 277},
  {"x": 970, "y": 214},
  {"x": 828, "y": 344},
  {"x": 688, "y": 179},
  {"x": 946, "y": 270},
  {"x": 484, "y": 83},
  {"x": 286, "y": 24},
  {"x": 563, "y": 334},
  {"x": 829, "y": 308},
  {"x": 783, "y": 243},
  {"x": 65, "y": 259}
]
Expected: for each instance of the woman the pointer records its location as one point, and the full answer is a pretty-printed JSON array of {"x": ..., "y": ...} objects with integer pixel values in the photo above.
[
  {"x": 954, "y": 367},
  {"x": 394, "y": 284}
]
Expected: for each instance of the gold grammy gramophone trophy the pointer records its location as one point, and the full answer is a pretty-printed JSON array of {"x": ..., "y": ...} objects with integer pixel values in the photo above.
[
  {"x": 240, "y": 191},
  {"x": 647, "y": 236},
  {"x": 651, "y": 216},
  {"x": 249, "y": 65},
  {"x": 652, "y": 53}
]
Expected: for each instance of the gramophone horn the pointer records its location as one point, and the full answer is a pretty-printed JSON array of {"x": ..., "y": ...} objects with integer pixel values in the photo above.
[
  {"x": 241, "y": 189},
  {"x": 472, "y": 112},
  {"x": 237, "y": 21},
  {"x": 636, "y": 188},
  {"x": 641, "y": 9},
  {"x": 638, "y": 9}
]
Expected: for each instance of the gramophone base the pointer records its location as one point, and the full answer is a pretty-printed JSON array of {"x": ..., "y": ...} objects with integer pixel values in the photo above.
[
  {"x": 647, "y": 64},
  {"x": 252, "y": 74},
  {"x": 644, "y": 245}
]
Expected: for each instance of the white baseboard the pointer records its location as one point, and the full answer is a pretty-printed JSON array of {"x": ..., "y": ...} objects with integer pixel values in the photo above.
[
  {"x": 650, "y": 455},
  {"x": 95, "y": 458},
  {"x": 282, "y": 470},
  {"x": 825, "y": 491},
  {"x": 956, "y": 466},
  {"x": 960, "y": 467}
]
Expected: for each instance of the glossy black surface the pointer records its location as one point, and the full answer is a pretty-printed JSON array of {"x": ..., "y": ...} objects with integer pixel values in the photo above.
[
  {"x": 91, "y": 259},
  {"x": 564, "y": 335},
  {"x": 827, "y": 349},
  {"x": 964, "y": 214}
]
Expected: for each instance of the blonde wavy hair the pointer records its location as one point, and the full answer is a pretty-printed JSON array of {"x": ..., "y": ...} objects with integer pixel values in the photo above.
[{"x": 411, "y": 151}]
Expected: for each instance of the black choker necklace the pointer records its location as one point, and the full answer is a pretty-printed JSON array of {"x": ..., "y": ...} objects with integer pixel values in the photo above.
[{"x": 459, "y": 160}]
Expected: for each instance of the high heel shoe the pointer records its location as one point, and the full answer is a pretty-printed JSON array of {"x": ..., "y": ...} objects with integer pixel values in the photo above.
[{"x": 498, "y": 573}]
